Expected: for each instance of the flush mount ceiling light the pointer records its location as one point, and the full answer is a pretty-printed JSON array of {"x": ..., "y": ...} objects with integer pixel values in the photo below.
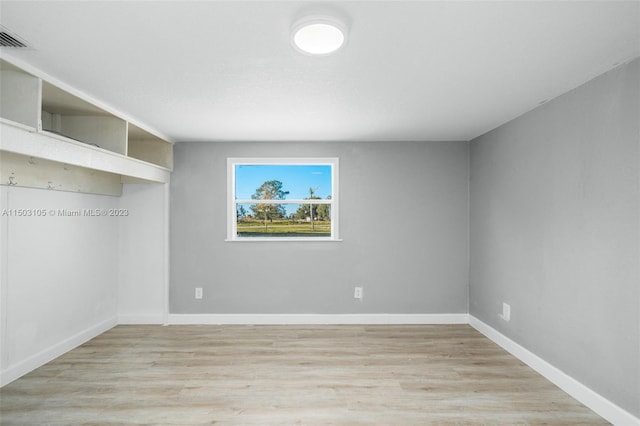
[{"x": 318, "y": 36}]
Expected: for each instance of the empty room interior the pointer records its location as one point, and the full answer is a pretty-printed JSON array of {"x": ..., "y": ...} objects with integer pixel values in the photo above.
[{"x": 320, "y": 212}]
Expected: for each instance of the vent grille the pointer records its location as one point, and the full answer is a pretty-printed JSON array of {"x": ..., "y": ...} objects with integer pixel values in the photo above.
[{"x": 7, "y": 39}]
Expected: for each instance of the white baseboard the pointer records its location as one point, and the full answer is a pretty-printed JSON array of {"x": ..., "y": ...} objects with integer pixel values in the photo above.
[
  {"x": 140, "y": 319},
  {"x": 311, "y": 319},
  {"x": 585, "y": 395},
  {"x": 23, "y": 367}
]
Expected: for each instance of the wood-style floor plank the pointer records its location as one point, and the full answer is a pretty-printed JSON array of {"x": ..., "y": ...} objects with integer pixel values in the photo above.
[{"x": 286, "y": 375}]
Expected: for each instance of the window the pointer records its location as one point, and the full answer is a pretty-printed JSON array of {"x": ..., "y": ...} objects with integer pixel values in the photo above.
[{"x": 282, "y": 199}]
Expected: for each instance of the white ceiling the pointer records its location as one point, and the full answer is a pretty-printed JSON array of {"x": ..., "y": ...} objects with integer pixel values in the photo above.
[{"x": 411, "y": 70}]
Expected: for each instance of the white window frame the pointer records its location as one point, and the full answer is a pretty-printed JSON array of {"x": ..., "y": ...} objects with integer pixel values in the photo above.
[{"x": 232, "y": 162}]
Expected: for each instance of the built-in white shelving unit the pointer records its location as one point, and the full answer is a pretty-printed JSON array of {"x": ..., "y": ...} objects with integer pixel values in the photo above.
[{"x": 79, "y": 146}]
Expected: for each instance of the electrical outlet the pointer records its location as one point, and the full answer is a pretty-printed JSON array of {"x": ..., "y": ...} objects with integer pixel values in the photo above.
[
  {"x": 506, "y": 312},
  {"x": 357, "y": 293},
  {"x": 198, "y": 292}
]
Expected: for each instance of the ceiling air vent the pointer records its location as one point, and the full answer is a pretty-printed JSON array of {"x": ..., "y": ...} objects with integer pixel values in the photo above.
[{"x": 7, "y": 39}]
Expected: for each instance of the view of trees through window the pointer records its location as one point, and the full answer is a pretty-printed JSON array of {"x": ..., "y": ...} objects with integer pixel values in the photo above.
[{"x": 283, "y": 200}]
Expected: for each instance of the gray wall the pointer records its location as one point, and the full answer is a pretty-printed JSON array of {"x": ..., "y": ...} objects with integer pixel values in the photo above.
[
  {"x": 403, "y": 218},
  {"x": 555, "y": 233}
]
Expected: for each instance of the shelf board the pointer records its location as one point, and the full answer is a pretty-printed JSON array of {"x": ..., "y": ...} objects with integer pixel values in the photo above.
[{"x": 54, "y": 147}]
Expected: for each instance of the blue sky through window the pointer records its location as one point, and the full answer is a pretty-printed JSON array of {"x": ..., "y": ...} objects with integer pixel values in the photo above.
[{"x": 297, "y": 179}]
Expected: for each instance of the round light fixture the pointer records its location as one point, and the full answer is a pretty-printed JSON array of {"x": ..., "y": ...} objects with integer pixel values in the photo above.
[{"x": 318, "y": 36}]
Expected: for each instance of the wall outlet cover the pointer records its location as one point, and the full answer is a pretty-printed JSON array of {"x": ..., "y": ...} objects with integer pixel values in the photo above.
[
  {"x": 506, "y": 312},
  {"x": 357, "y": 293}
]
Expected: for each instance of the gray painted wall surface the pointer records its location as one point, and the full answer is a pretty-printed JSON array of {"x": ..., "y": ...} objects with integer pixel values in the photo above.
[
  {"x": 403, "y": 218},
  {"x": 555, "y": 233}
]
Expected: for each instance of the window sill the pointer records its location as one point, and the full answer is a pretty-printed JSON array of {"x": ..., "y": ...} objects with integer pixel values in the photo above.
[{"x": 276, "y": 239}]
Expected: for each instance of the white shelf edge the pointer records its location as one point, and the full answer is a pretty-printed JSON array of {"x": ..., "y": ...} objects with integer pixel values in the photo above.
[
  {"x": 97, "y": 148},
  {"x": 17, "y": 124},
  {"x": 58, "y": 148}
]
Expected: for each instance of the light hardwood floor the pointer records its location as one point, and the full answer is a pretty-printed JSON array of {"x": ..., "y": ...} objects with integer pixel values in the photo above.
[{"x": 285, "y": 375}]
